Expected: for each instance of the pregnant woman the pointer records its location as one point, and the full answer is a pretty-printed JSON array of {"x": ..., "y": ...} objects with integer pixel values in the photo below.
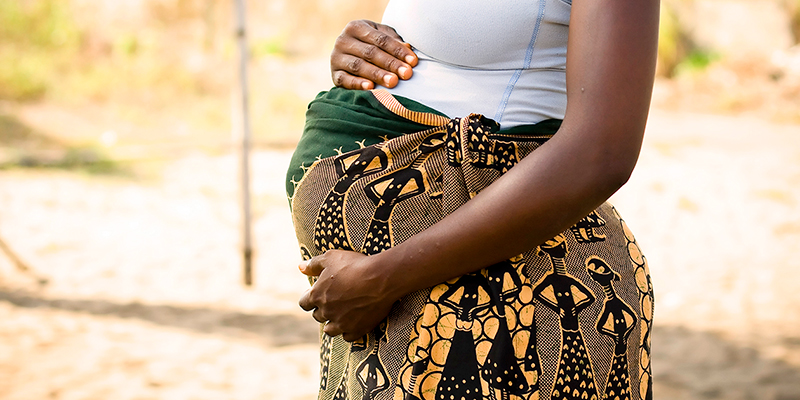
[{"x": 454, "y": 223}]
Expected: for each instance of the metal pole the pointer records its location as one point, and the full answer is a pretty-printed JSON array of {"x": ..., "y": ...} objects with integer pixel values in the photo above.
[{"x": 247, "y": 250}]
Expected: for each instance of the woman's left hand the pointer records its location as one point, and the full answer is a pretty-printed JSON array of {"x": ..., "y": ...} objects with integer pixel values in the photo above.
[{"x": 348, "y": 296}]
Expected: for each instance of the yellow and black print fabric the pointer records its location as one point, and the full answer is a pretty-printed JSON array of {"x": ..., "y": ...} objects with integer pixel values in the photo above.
[{"x": 570, "y": 319}]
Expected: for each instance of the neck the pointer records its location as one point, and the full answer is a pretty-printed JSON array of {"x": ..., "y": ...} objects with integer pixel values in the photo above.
[
  {"x": 558, "y": 266},
  {"x": 609, "y": 291}
]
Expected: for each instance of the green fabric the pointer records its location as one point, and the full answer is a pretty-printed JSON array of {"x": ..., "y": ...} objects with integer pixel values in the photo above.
[{"x": 341, "y": 120}]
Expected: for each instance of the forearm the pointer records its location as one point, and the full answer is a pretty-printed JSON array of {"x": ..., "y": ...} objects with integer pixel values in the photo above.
[{"x": 547, "y": 192}]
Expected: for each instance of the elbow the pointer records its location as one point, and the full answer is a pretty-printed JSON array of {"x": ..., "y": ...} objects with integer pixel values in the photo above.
[
  {"x": 608, "y": 151},
  {"x": 612, "y": 175},
  {"x": 617, "y": 180},
  {"x": 614, "y": 160}
]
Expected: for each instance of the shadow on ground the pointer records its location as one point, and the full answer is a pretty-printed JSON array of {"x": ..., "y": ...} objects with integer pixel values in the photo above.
[
  {"x": 271, "y": 330},
  {"x": 690, "y": 365},
  {"x": 23, "y": 146},
  {"x": 687, "y": 364}
]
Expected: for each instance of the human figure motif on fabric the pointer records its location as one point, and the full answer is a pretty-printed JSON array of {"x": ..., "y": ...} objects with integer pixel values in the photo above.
[
  {"x": 330, "y": 229},
  {"x": 371, "y": 373},
  {"x": 567, "y": 297},
  {"x": 584, "y": 230},
  {"x": 483, "y": 298},
  {"x": 500, "y": 368},
  {"x": 389, "y": 190},
  {"x": 478, "y": 306},
  {"x": 468, "y": 297},
  {"x": 617, "y": 320},
  {"x": 385, "y": 192}
]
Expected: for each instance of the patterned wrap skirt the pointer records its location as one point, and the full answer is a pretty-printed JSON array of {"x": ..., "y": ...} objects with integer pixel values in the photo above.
[{"x": 569, "y": 319}]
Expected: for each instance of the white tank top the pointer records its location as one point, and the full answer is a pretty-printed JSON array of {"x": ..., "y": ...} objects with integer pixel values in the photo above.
[{"x": 503, "y": 59}]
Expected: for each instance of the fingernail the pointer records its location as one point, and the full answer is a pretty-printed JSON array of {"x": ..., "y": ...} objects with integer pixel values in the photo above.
[
  {"x": 302, "y": 266},
  {"x": 410, "y": 59},
  {"x": 387, "y": 79},
  {"x": 366, "y": 85},
  {"x": 403, "y": 72}
]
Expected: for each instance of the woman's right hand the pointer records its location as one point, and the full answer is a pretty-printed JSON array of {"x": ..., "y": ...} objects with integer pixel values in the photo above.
[{"x": 368, "y": 54}]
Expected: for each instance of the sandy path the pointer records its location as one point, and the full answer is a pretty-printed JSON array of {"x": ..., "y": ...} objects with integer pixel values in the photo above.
[{"x": 144, "y": 300}]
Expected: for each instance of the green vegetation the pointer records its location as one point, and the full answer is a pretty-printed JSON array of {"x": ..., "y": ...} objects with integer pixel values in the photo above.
[
  {"x": 696, "y": 61},
  {"x": 44, "y": 53},
  {"x": 674, "y": 41},
  {"x": 678, "y": 53},
  {"x": 174, "y": 64},
  {"x": 274, "y": 46},
  {"x": 34, "y": 38}
]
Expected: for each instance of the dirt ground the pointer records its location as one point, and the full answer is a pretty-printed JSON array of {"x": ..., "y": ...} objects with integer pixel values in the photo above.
[{"x": 133, "y": 289}]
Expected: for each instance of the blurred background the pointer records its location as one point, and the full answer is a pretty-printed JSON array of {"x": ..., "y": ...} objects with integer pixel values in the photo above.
[{"x": 119, "y": 201}]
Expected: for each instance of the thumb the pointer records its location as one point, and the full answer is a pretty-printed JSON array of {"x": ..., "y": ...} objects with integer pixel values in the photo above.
[{"x": 312, "y": 267}]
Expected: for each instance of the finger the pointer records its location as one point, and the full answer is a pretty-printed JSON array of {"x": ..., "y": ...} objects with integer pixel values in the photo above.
[
  {"x": 351, "y": 337},
  {"x": 379, "y": 44},
  {"x": 404, "y": 51},
  {"x": 317, "y": 315},
  {"x": 379, "y": 57},
  {"x": 344, "y": 80},
  {"x": 302, "y": 266},
  {"x": 332, "y": 329},
  {"x": 367, "y": 54},
  {"x": 387, "y": 39},
  {"x": 357, "y": 65},
  {"x": 314, "y": 266},
  {"x": 305, "y": 301}
]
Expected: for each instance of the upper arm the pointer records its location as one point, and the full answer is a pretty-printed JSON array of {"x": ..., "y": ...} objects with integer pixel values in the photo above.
[{"x": 611, "y": 57}]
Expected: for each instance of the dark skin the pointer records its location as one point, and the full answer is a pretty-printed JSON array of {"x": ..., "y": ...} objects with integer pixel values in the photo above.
[
  {"x": 367, "y": 54},
  {"x": 610, "y": 68}
]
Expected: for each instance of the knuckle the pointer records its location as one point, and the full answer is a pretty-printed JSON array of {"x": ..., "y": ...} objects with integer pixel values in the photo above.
[
  {"x": 352, "y": 25},
  {"x": 367, "y": 24},
  {"x": 355, "y": 65},
  {"x": 336, "y": 255},
  {"x": 304, "y": 303},
  {"x": 357, "y": 27},
  {"x": 369, "y": 52},
  {"x": 338, "y": 79},
  {"x": 382, "y": 39},
  {"x": 340, "y": 42},
  {"x": 393, "y": 64},
  {"x": 399, "y": 53}
]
